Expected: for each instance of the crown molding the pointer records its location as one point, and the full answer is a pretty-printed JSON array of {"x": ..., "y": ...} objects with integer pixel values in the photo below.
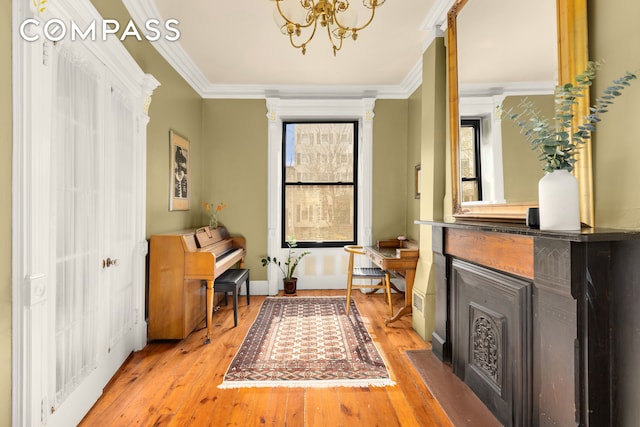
[
  {"x": 435, "y": 23},
  {"x": 507, "y": 89},
  {"x": 172, "y": 52},
  {"x": 175, "y": 55},
  {"x": 436, "y": 19},
  {"x": 402, "y": 91},
  {"x": 412, "y": 81}
]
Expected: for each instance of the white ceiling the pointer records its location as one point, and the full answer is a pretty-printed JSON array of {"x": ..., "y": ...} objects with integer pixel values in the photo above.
[{"x": 234, "y": 49}]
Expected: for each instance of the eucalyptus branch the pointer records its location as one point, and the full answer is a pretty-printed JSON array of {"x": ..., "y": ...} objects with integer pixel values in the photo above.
[{"x": 558, "y": 146}]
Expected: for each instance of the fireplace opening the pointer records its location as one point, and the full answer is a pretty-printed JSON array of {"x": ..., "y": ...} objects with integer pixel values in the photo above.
[{"x": 491, "y": 339}]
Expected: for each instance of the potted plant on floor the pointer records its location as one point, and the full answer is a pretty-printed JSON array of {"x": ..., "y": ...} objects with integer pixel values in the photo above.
[
  {"x": 557, "y": 142},
  {"x": 288, "y": 266}
]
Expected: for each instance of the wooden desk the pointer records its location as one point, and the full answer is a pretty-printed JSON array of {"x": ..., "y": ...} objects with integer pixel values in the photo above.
[{"x": 400, "y": 257}]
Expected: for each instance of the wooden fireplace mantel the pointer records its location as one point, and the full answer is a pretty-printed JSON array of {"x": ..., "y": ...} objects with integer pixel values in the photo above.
[{"x": 569, "y": 286}]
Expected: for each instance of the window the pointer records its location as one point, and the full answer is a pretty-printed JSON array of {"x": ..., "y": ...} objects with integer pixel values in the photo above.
[
  {"x": 470, "y": 165},
  {"x": 319, "y": 183}
]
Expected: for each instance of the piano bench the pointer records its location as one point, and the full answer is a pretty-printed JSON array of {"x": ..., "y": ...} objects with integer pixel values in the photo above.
[{"x": 231, "y": 281}]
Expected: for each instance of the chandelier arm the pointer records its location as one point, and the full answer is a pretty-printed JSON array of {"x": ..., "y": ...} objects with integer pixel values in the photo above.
[
  {"x": 303, "y": 45},
  {"x": 297, "y": 24},
  {"x": 335, "y": 48},
  {"x": 355, "y": 29}
]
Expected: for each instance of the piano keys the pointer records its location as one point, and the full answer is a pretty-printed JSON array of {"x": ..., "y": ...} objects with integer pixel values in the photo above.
[
  {"x": 401, "y": 258},
  {"x": 178, "y": 264}
]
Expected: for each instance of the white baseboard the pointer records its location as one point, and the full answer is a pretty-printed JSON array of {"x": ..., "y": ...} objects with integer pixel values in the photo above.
[{"x": 261, "y": 287}]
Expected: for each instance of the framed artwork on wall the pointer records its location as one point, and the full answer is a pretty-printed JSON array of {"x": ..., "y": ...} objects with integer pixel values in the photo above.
[{"x": 179, "y": 172}]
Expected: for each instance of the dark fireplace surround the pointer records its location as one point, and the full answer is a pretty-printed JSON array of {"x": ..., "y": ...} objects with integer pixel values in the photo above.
[{"x": 526, "y": 319}]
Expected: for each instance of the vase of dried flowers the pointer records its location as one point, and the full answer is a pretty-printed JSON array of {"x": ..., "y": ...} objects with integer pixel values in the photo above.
[{"x": 212, "y": 210}]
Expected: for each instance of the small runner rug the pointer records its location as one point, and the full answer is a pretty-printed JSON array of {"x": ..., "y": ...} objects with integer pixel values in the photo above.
[{"x": 307, "y": 342}]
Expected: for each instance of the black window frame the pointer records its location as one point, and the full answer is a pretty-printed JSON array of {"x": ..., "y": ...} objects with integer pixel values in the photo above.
[
  {"x": 476, "y": 124},
  {"x": 285, "y": 184}
]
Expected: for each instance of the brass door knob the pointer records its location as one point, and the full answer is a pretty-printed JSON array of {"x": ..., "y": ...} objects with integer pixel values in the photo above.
[{"x": 106, "y": 263}]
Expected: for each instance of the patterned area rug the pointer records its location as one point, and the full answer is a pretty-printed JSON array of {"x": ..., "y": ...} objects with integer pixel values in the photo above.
[{"x": 307, "y": 342}]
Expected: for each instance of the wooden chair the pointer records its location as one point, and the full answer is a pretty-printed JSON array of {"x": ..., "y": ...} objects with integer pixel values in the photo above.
[{"x": 382, "y": 277}]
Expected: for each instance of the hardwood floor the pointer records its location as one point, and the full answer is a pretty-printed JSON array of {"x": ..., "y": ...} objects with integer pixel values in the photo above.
[{"x": 174, "y": 383}]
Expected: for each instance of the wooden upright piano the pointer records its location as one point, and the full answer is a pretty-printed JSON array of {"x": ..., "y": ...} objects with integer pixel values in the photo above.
[
  {"x": 401, "y": 258},
  {"x": 178, "y": 264}
]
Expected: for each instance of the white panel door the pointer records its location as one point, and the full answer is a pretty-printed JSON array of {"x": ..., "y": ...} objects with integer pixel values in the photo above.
[
  {"x": 77, "y": 208},
  {"x": 96, "y": 193},
  {"x": 121, "y": 259},
  {"x": 78, "y": 199}
]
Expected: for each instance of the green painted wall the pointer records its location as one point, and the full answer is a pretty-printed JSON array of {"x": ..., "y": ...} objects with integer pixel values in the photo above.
[
  {"x": 615, "y": 38},
  {"x": 414, "y": 149},
  {"x": 389, "y": 169},
  {"x": 234, "y": 156},
  {"x": 175, "y": 105},
  {"x": 434, "y": 160},
  {"x": 6, "y": 139}
]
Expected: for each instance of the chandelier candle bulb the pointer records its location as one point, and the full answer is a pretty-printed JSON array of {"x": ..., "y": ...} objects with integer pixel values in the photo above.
[{"x": 349, "y": 18}]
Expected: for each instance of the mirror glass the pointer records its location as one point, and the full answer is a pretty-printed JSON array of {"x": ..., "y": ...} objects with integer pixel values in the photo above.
[
  {"x": 500, "y": 52},
  {"x": 506, "y": 52}
]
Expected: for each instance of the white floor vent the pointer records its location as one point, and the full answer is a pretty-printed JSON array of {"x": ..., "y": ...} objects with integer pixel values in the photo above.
[{"x": 418, "y": 303}]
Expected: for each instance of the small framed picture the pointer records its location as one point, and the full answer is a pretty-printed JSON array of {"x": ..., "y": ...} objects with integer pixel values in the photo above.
[
  {"x": 418, "y": 181},
  {"x": 179, "y": 176}
]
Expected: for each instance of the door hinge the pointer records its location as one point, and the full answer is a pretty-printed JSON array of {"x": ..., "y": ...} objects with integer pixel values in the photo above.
[
  {"x": 44, "y": 407},
  {"x": 45, "y": 54}
]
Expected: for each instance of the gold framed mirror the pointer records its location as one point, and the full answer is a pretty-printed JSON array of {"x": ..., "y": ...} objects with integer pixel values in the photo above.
[{"x": 572, "y": 57}]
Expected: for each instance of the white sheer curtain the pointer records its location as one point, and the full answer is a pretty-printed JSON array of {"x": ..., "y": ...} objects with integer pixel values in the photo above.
[{"x": 76, "y": 151}]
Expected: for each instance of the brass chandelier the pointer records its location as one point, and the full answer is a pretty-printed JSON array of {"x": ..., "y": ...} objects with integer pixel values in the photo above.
[{"x": 299, "y": 20}]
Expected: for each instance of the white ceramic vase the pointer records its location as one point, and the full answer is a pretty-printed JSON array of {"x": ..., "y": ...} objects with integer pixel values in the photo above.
[{"x": 558, "y": 198}]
